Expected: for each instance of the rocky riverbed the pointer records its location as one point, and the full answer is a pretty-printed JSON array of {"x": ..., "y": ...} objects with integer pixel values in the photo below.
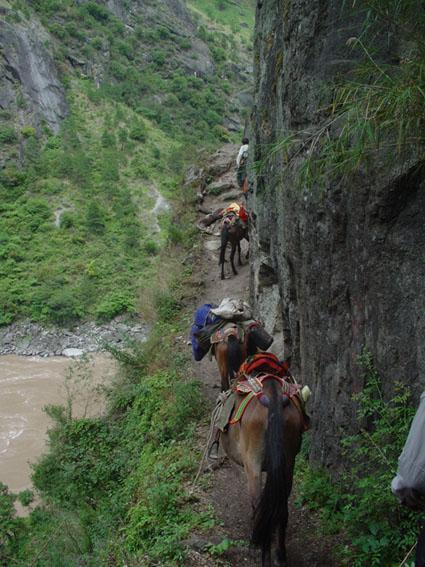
[{"x": 31, "y": 339}]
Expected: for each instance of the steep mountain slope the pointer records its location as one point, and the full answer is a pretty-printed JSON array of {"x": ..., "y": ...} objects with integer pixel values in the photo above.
[{"x": 101, "y": 103}]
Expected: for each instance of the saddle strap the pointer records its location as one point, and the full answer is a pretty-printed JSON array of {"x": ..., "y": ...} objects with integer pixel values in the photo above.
[{"x": 241, "y": 409}]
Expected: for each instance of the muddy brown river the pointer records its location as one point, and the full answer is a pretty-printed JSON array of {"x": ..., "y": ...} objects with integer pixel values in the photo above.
[{"x": 27, "y": 384}]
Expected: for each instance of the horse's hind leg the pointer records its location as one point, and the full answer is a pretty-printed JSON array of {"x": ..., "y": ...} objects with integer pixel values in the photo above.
[
  {"x": 239, "y": 253},
  {"x": 281, "y": 558},
  {"x": 221, "y": 357},
  {"x": 266, "y": 558},
  {"x": 222, "y": 260},
  {"x": 232, "y": 258},
  {"x": 253, "y": 475}
]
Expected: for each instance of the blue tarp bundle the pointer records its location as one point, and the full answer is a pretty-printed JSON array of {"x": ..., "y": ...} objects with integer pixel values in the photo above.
[{"x": 202, "y": 318}]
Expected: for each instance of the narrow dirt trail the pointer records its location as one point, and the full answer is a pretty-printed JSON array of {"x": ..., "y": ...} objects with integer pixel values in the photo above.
[{"x": 227, "y": 492}]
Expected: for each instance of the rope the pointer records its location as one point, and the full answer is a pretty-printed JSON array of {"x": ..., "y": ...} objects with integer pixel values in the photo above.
[
  {"x": 408, "y": 555},
  {"x": 214, "y": 416}
]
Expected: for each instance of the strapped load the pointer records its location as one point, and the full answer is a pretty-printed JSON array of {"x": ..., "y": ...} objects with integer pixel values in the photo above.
[
  {"x": 204, "y": 325},
  {"x": 214, "y": 324},
  {"x": 233, "y": 310},
  {"x": 235, "y": 213}
]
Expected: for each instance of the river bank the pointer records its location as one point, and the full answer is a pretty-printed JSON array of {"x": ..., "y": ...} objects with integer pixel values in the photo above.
[
  {"x": 27, "y": 386},
  {"x": 26, "y": 338}
]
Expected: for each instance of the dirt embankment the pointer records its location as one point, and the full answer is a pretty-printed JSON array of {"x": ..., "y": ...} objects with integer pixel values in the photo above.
[{"x": 226, "y": 491}]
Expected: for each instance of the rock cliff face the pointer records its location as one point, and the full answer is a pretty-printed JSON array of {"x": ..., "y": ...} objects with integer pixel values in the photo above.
[
  {"x": 339, "y": 269},
  {"x": 38, "y": 49},
  {"x": 29, "y": 84}
]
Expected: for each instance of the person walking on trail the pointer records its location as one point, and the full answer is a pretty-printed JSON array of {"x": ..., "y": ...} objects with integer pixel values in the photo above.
[
  {"x": 241, "y": 163},
  {"x": 409, "y": 483}
]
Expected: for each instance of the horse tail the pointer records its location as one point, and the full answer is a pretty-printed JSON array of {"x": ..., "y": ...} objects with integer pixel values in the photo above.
[
  {"x": 234, "y": 355},
  {"x": 224, "y": 241},
  {"x": 272, "y": 510}
]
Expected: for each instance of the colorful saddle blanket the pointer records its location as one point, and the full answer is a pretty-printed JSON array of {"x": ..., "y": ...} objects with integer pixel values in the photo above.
[
  {"x": 252, "y": 387},
  {"x": 266, "y": 361}
]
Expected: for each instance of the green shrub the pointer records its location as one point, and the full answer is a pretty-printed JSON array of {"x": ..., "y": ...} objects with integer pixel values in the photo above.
[
  {"x": 68, "y": 220},
  {"x": 114, "y": 304},
  {"x": 222, "y": 133},
  {"x": 81, "y": 466},
  {"x": 98, "y": 11},
  {"x": 176, "y": 234},
  {"x": 151, "y": 247},
  {"x": 49, "y": 186},
  {"x": 138, "y": 132},
  {"x": 166, "y": 305},
  {"x": 60, "y": 306},
  {"x": 219, "y": 54},
  {"x": 108, "y": 139},
  {"x": 12, "y": 176},
  {"x": 58, "y": 30},
  {"x": 26, "y": 497},
  {"x": 185, "y": 43},
  {"x": 97, "y": 43},
  {"x": 37, "y": 212},
  {"x": 159, "y": 57},
  {"x": 10, "y": 526},
  {"x": 125, "y": 49},
  {"x": 28, "y": 132},
  {"x": 8, "y": 135},
  {"x": 163, "y": 32},
  {"x": 20, "y": 101},
  {"x": 359, "y": 504},
  {"x": 74, "y": 31},
  {"x": 118, "y": 70},
  {"x": 95, "y": 218}
]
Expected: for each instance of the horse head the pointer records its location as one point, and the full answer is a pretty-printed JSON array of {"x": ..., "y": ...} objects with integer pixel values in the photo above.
[{"x": 257, "y": 338}]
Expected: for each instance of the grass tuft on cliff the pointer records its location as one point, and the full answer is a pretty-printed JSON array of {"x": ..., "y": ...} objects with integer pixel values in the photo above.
[{"x": 377, "y": 110}]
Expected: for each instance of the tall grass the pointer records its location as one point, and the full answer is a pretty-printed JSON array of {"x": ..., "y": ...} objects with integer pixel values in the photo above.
[{"x": 377, "y": 110}]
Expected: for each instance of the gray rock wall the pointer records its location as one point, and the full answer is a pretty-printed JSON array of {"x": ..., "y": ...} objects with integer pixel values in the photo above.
[
  {"x": 27, "y": 71},
  {"x": 348, "y": 261}
]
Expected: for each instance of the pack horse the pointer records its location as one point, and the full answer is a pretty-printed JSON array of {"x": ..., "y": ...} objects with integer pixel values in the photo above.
[{"x": 264, "y": 436}]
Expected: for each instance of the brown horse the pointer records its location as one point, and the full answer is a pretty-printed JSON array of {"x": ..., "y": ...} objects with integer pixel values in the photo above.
[
  {"x": 230, "y": 353},
  {"x": 267, "y": 439},
  {"x": 232, "y": 233}
]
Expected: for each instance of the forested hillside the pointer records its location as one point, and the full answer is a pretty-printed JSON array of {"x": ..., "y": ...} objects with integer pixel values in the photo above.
[{"x": 101, "y": 105}]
